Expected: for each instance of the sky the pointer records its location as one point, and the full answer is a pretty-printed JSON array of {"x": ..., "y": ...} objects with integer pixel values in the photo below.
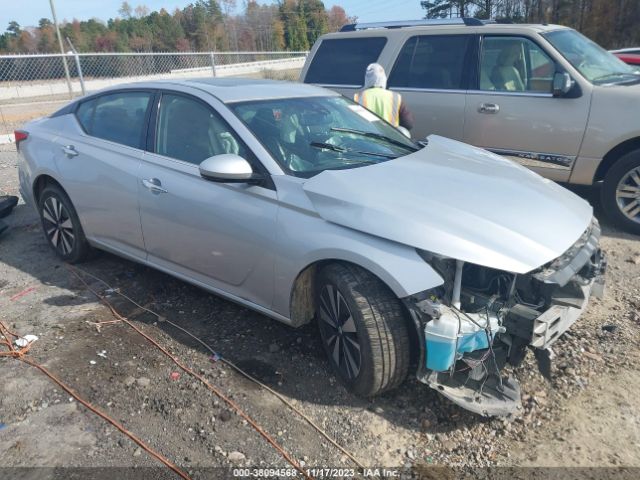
[{"x": 28, "y": 12}]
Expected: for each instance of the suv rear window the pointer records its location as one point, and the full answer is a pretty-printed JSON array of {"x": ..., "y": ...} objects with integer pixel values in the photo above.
[
  {"x": 431, "y": 61},
  {"x": 343, "y": 61}
]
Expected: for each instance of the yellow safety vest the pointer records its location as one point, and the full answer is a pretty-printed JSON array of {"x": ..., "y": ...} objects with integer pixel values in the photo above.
[{"x": 382, "y": 102}]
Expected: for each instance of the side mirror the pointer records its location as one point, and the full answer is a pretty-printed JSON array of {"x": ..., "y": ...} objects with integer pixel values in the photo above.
[
  {"x": 562, "y": 83},
  {"x": 228, "y": 168}
]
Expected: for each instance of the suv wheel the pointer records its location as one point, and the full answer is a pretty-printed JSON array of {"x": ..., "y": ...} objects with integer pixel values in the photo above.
[
  {"x": 363, "y": 329},
  {"x": 61, "y": 225},
  {"x": 621, "y": 192}
]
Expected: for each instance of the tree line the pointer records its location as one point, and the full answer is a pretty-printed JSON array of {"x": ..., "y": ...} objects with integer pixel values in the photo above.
[
  {"x": 611, "y": 23},
  {"x": 205, "y": 25}
]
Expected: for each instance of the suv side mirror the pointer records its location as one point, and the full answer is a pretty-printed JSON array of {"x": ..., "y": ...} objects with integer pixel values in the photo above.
[
  {"x": 228, "y": 168},
  {"x": 562, "y": 83}
]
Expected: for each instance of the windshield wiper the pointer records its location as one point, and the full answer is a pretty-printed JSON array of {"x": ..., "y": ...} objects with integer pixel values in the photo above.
[
  {"x": 616, "y": 74},
  {"x": 375, "y": 135},
  {"x": 336, "y": 148}
]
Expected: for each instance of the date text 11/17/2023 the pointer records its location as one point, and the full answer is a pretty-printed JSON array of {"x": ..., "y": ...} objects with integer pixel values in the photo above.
[{"x": 315, "y": 472}]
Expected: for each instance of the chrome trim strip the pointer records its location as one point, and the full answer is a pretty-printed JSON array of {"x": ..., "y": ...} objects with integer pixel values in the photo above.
[
  {"x": 426, "y": 90},
  {"x": 447, "y": 90},
  {"x": 510, "y": 94},
  {"x": 537, "y": 159},
  {"x": 332, "y": 85}
]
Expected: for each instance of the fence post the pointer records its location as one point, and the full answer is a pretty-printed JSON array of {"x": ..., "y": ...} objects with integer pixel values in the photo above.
[
  {"x": 213, "y": 63},
  {"x": 64, "y": 58},
  {"x": 80, "y": 76},
  {"x": 78, "y": 66}
]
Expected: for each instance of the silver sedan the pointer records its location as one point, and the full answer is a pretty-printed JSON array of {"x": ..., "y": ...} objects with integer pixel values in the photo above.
[{"x": 296, "y": 202}]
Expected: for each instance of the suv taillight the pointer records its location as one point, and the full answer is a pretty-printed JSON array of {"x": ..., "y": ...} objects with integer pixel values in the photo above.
[{"x": 20, "y": 135}]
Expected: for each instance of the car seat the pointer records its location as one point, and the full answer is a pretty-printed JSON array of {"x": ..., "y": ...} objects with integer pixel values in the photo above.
[{"x": 505, "y": 75}]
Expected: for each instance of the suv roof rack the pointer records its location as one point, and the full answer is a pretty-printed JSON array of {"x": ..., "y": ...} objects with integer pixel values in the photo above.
[{"x": 470, "y": 22}]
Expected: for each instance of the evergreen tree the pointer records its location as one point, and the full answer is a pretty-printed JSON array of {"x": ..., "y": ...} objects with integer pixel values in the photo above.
[
  {"x": 446, "y": 8},
  {"x": 14, "y": 29},
  {"x": 316, "y": 19}
]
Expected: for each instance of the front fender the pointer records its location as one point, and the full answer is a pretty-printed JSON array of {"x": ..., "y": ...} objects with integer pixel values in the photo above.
[{"x": 398, "y": 266}]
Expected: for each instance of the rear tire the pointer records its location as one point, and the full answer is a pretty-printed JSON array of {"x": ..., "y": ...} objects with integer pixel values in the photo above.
[
  {"x": 61, "y": 225},
  {"x": 621, "y": 192},
  {"x": 363, "y": 329}
]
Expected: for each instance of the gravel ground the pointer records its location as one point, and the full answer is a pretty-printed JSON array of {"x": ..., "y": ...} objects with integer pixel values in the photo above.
[{"x": 585, "y": 417}]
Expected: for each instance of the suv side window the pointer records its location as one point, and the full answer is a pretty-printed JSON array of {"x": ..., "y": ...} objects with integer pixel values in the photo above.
[
  {"x": 432, "y": 61},
  {"x": 191, "y": 131},
  {"x": 117, "y": 117},
  {"x": 515, "y": 64},
  {"x": 343, "y": 61}
]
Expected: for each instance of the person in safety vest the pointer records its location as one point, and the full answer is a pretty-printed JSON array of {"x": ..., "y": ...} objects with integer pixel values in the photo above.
[{"x": 384, "y": 103}]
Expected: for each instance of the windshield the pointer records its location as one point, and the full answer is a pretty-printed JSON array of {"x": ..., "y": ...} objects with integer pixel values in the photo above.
[
  {"x": 591, "y": 60},
  {"x": 309, "y": 135}
]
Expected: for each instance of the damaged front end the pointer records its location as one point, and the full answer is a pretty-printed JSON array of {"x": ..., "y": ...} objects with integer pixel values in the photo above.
[{"x": 480, "y": 319}]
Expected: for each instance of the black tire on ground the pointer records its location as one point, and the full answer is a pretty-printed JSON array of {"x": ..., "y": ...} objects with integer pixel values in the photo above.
[
  {"x": 368, "y": 347},
  {"x": 611, "y": 204},
  {"x": 61, "y": 225}
]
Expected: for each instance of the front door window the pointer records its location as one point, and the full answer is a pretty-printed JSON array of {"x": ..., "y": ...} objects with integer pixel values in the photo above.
[
  {"x": 190, "y": 131},
  {"x": 515, "y": 64}
]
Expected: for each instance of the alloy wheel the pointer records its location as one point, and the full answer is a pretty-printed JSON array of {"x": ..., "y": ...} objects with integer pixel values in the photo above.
[
  {"x": 628, "y": 195},
  {"x": 339, "y": 332},
  {"x": 58, "y": 226}
]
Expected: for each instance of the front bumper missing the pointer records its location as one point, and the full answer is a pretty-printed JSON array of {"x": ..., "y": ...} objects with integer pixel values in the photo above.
[
  {"x": 568, "y": 303},
  {"x": 486, "y": 395},
  {"x": 482, "y": 389},
  {"x": 492, "y": 397}
]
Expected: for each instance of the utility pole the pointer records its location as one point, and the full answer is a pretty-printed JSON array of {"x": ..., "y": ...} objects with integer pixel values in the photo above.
[{"x": 64, "y": 58}]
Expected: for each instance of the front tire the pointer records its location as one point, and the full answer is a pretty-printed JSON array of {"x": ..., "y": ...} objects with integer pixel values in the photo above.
[
  {"x": 363, "y": 329},
  {"x": 61, "y": 225},
  {"x": 621, "y": 192}
]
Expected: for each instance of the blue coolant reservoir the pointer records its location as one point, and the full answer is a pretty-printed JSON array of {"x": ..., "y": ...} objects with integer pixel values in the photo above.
[
  {"x": 450, "y": 335},
  {"x": 441, "y": 335}
]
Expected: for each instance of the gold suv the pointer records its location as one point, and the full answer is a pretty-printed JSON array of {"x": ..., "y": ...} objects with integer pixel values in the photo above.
[{"x": 542, "y": 95}]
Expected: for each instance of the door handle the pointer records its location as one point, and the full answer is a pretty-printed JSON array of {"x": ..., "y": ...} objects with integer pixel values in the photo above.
[
  {"x": 489, "y": 108},
  {"x": 154, "y": 185},
  {"x": 70, "y": 151}
]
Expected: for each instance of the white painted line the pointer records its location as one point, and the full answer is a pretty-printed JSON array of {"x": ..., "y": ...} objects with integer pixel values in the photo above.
[
  {"x": 7, "y": 138},
  {"x": 35, "y": 102}
]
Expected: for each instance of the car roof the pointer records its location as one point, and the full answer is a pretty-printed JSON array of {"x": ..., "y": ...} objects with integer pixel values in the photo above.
[
  {"x": 488, "y": 28},
  {"x": 229, "y": 90}
]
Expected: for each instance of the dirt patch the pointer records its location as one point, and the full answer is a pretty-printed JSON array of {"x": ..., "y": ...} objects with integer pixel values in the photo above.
[{"x": 600, "y": 426}]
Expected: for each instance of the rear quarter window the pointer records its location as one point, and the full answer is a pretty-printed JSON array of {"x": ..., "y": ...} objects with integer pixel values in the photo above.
[
  {"x": 343, "y": 61},
  {"x": 117, "y": 117}
]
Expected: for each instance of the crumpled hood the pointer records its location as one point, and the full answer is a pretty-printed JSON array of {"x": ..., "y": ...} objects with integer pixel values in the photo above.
[{"x": 458, "y": 201}]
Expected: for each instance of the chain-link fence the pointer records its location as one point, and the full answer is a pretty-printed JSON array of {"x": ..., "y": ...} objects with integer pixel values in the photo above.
[{"x": 37, "y": 76}]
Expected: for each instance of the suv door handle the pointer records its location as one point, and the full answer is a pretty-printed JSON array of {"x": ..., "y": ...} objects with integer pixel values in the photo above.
[
  {"x": 489, "y": 108},
  {"x": 154, "y": 185},
  {"x": 70, "y": 151}
]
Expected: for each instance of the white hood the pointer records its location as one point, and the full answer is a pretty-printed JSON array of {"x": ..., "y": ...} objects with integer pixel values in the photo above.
[{"x": 458, "y": 201}]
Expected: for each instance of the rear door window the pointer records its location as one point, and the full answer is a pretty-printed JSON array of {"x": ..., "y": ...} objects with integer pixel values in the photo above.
[
  {"x": 343, "y": 61},
  {"x": 432, "y": 62},
  {"x": 117, "y": 117}
]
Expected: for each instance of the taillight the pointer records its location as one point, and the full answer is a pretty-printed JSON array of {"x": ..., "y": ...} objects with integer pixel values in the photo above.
[{"x": 20, "y": 135}]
